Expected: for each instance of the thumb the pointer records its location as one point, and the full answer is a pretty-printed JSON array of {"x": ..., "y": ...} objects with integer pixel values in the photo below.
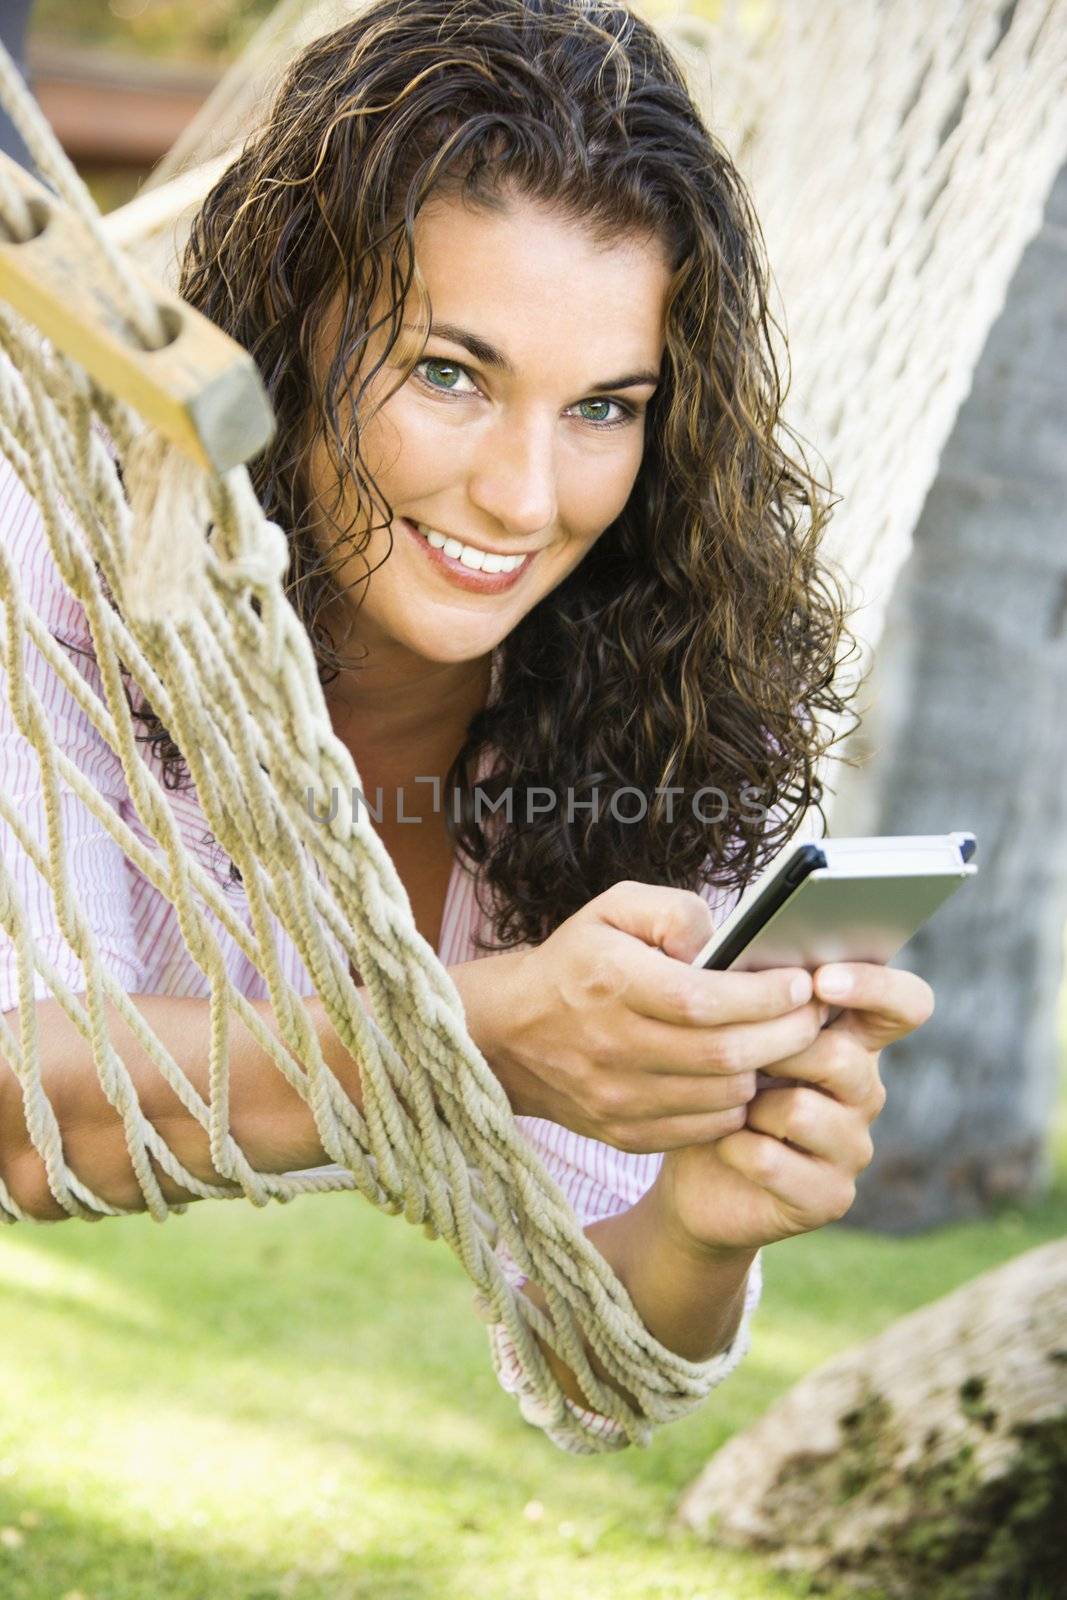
[{"x": 677, "y": 921}]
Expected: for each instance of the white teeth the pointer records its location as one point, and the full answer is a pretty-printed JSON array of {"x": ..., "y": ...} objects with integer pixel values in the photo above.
[{"x": 478, "y": 560}]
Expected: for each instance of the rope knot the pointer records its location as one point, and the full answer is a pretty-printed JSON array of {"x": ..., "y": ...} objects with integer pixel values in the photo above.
[{"x": 261, "y": 567}]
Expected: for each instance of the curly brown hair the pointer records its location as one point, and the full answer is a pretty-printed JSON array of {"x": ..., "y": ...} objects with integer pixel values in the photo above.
[{"x": 698, "y": 641}]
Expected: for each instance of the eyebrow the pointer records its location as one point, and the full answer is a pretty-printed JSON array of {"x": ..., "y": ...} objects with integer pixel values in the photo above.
[{"x": 490, "y": 356}]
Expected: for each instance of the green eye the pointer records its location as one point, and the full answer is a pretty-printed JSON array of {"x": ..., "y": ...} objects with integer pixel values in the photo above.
[
  {"x": 449, "y": 367},
  {"x": 603, "y": 416}
]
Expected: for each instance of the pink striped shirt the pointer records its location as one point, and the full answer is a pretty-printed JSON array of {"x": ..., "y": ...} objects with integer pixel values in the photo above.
[{"x": 140, "y": 942}]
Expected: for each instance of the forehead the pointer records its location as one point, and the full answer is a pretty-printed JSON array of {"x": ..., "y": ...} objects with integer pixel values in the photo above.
[{"x": 529, "y": 274}]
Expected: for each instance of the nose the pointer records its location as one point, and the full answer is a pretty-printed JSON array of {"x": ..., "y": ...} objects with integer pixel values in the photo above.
[{"x": 513, "y": 475}]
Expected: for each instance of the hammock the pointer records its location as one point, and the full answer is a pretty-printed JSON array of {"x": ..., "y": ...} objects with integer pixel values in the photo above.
[{"x": 236, "y": 684}]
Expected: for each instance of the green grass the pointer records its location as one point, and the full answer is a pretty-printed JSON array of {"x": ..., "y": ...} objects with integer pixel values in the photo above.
[{"x": 297, "y": 1404}]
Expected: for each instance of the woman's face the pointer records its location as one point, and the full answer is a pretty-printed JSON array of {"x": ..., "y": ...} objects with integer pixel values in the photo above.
[{"x": 519, "y": 433}]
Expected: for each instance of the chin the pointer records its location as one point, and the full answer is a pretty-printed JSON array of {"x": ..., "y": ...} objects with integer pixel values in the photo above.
[{"x": 451, "y": 647}]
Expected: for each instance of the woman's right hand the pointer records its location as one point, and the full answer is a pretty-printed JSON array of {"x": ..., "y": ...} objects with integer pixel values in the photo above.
[{"x": 608, "y": 1030}]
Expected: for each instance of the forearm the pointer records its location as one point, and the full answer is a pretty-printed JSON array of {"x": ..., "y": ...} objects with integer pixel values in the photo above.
[
  {"x": 268, "y": 1118},
  {"x": 691, "y": 1301}
]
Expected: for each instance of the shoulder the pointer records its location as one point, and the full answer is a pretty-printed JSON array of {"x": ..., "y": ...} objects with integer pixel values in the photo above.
[{"x": 23, "y": 535}]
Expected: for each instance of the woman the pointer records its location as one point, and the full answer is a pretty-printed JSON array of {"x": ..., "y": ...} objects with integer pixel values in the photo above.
[{"x": 508, "y": 298}]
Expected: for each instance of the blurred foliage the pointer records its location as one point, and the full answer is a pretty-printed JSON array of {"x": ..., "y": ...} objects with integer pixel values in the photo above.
[
  {"x": 211, "y": 31},
  {"x": 206, "y": 32}
]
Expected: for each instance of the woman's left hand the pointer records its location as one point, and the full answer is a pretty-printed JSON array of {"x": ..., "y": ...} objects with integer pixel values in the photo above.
[{"x": 793, "y": 1166}]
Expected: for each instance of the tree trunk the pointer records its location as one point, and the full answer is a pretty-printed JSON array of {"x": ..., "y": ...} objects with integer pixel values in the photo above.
[
  {"x": 14, "y": 20},
  {"x": 930, "y": 1461},
  {"x": 968, "y": 721}
]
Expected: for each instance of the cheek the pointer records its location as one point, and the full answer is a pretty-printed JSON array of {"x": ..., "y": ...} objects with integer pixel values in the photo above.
[
  {"x": 405, "y": 445},
  {"x": 596, "y": 487}
]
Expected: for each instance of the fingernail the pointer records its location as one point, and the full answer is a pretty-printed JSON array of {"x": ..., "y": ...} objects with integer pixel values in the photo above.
[
  {"x": 835, "y": 981},
  {"x": 800, "y": 988}
]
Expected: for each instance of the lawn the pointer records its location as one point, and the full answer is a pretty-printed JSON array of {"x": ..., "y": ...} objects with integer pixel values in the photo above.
[{"x": 297, "y": 1404}]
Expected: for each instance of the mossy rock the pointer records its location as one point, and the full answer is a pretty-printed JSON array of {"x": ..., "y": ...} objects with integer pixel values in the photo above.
[{"x": 928, "y": 1464}]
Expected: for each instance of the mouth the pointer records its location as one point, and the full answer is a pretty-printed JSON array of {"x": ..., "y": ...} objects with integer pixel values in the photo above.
[{"x": 465, "y": 573}]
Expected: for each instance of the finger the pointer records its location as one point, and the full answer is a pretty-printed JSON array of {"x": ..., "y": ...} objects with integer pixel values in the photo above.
[
  {"x": 674, "y": 1133},
  {"x": 814, "y": 1191},
  {"x": 840, "y": 1065},
  {"x": 717, "y": 1051},
  {"x": 815, "y": 1124},
  {"x": 669, "y": 1113},
  {"x": 882, "y": 1003},
  {"x": 656, "y": 1099},
  {"x": 674, "y": 991},
  {"x": 675, "y": 922}
]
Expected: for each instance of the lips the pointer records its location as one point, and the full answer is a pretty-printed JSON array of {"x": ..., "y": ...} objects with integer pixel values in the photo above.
[{"x": 465, "y": 577}]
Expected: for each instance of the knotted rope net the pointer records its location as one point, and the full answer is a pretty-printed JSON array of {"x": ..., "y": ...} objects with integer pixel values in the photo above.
[{"x": 899, "y": 156}]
